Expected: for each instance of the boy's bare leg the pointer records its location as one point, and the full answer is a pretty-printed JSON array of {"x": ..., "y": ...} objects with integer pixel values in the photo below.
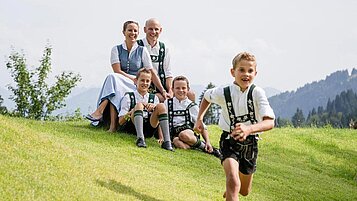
[
  {"x": 179, "y": 144},
  {"x": 230, "y": 166},
  {"x": 187, "y": 136},
  {"x": 246, "y": 183},
  {"x": 113, "y": 119}
]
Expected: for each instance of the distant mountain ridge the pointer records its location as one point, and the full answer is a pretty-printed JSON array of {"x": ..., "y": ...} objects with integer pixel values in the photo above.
[
  {"x": 313, "y": 94},
  {"x": 86, "y": 98}
]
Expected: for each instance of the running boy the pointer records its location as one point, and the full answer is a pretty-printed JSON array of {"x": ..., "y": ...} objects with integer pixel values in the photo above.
[
  {"x": 141, "y": 112},
  {"x": 182, "y": 114},
  {"x": 245, "y": 113}
]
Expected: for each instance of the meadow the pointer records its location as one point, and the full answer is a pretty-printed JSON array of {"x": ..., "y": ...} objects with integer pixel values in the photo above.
[{"x": 74, "y": 161}]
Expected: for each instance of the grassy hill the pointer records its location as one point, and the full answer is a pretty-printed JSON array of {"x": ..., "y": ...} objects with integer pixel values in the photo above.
[{"x": 72, "y": 161}]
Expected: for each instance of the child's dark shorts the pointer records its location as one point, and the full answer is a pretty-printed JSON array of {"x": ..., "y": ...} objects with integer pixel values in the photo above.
[
  {"x": 245, "y": 152},
  {"x": 149, "y": 131},
  {"x": 178, "y": 129}
]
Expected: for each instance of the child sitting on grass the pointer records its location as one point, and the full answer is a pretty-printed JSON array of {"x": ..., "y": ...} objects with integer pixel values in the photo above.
[
  {"x": 182, "y": 114},
  {"x": 141, "y": 113}
]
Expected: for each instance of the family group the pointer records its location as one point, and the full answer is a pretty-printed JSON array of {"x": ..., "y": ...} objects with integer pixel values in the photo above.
[{"x": 143, "y": 97}]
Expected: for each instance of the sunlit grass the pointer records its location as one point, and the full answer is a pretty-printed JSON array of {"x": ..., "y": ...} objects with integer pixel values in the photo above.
[{"x": 73, "y": 161}]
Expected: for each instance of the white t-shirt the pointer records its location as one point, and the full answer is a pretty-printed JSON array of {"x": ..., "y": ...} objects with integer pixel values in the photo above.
[{"x": 239, "y": 101}]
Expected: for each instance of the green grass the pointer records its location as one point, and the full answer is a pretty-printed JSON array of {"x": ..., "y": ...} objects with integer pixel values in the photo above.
[{"x": 73, "y": 161}]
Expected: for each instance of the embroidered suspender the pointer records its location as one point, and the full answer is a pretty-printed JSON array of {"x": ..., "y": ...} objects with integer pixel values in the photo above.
[
  {"x": 176, "y": 113},
  {"x": 140, "y": 42},
  {"x": 243, "y": 118},
  {"x": 160, "y": 59},
  {"x": 133, "y": 101},
  {"x": 161, "y": 71}
]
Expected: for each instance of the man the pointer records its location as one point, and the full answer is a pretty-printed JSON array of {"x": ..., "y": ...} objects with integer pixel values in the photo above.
[{"x": 160, "y": 57}]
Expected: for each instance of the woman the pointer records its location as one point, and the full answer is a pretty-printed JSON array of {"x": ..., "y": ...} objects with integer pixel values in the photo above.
[{"x": 126, "y": 59}]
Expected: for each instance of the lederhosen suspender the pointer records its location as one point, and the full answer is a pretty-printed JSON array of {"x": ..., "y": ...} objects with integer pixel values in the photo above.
[
  {"x": 133, "y": 101},
  {"x": 246, "y": 148},
  {"x": 243, "y": 118},
  {"x": 250, "y": 116},
  {"x": 172, "y": 114},
  {"x": 160, "y": 59}
]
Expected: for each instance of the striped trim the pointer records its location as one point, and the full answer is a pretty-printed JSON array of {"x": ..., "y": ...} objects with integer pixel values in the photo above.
[
  {"x": 138, "y": 113},
  {"x": 163, "y": 117}
]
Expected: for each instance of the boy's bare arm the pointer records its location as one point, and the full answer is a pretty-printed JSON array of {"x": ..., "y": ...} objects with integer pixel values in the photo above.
[
  {"x": 201, "y": 113},
  {"x": 207, "y": 140},
  {"x": 125, "y": 118}
]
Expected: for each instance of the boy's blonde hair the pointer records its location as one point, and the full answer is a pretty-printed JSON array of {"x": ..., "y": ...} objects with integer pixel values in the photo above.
[
  {"x": 142, "y": 70},
  {"x": 243, "y": 56},
  {"x": 178, "y": 78}
]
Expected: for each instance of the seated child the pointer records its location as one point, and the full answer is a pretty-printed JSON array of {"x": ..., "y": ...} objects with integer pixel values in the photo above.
[
  {"x": 140, "y": 112},
  {"x": 182, "y": 114}
]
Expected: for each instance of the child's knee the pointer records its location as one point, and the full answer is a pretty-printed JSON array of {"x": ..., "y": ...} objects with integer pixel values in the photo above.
[
  {"x": 184, "y": 136},
  {"x": 160, "y": 108},
  {"x": 139, "y": 106}
]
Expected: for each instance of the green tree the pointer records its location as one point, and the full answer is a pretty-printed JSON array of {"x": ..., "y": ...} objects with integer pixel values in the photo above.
[
  {"x": 212, "y": 114},
  {"x": 32, "y": 96},
  {"x": 298, "y": 119},
  {"x": 3, "y": 109},
  {"x": 282, "y": 122}
]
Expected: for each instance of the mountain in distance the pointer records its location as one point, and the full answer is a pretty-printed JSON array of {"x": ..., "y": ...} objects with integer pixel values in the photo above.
[
  {"x": 83, "y": 98},
  {"x": 269, "y": 91},
  {"x": 313, "y": 95},
  {"x": 86, "y": 99}
]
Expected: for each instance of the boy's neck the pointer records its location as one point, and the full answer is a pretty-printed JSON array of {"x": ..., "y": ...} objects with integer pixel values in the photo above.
[
  {"x": 241, "y": 89},
  {"x": 143, "y": 93},
  {"x": 181, "y": 99}
]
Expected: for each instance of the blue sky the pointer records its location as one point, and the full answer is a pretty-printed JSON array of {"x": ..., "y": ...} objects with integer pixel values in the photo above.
[{"x": 295, "y": 42}]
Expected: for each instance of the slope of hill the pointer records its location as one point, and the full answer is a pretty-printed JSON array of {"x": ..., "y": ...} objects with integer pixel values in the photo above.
[
  {"x": 313, "y": 94},
  {"x": 73, "y": 161}
]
